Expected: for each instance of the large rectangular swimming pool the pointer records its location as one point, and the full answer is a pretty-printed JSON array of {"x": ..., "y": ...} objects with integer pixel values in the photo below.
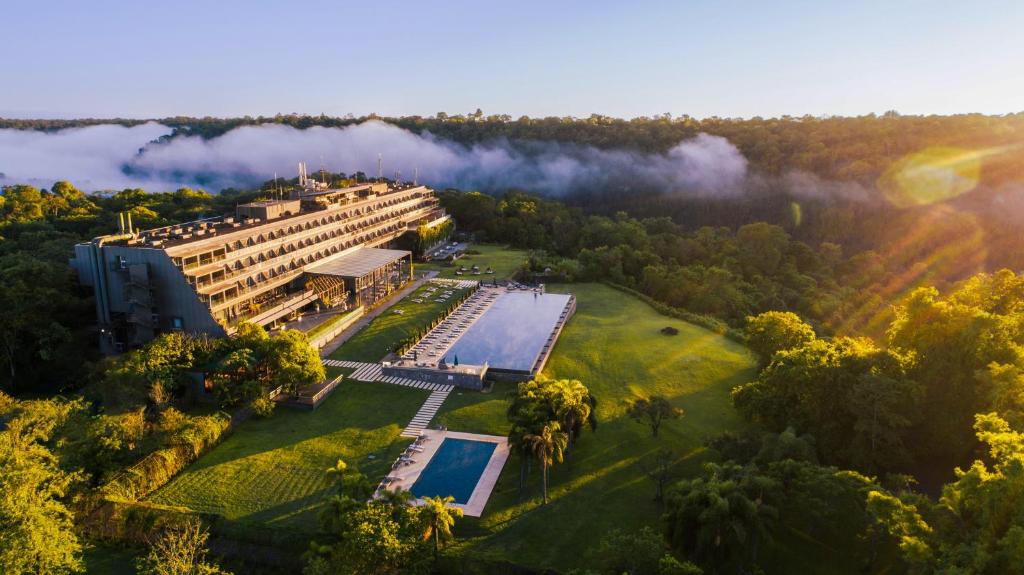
[
  {"x": 512, "y": 332},
  {"x": 454, "y": 470}
]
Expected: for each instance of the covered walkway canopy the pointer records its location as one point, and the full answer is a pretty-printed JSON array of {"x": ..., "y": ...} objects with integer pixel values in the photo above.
[
  {"x": 358, "y": 263},
  {"x": 369, "y": 273}
]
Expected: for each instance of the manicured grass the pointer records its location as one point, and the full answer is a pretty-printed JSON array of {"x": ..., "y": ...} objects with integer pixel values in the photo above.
[
  {"x": 613, "y": 345},
  {"x": 504, "y": 261},
  {"x": 477, "y": 412},
  {"x": 330, "y": 323},
  {"x": 377, "y": 339},
  {"x": 333, "y": 372},
  {"x": 271, "y": 471}
]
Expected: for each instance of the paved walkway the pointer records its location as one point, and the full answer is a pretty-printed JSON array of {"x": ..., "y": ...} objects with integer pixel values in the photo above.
[
  {"x": 372, "y": 372},
  {"x": 370, "y": 315},
  {"x": 427, "y": 411}
]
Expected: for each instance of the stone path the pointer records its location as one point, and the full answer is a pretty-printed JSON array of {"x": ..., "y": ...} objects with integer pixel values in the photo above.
[
  {"x": 421, "y": 420},
  {"x": 372, "y": 372}
]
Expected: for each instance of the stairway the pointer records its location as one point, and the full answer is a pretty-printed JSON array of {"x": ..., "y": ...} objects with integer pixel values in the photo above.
[{"x": 427, "y": 412}]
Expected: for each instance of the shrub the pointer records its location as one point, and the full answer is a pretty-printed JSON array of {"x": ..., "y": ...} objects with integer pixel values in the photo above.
[
  {"x": 669, "y": 330},
  {"x": 263, "y": 406}
]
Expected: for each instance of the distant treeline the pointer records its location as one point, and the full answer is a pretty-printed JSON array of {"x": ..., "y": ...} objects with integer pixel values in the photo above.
[{"x": 856, "y": 149}]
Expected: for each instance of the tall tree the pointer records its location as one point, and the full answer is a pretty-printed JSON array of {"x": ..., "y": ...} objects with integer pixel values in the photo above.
[
  {"x": 37, "y": 533},
  {"x": 721, "y": 519},
  {"x": 774, "y": 331},
  {"x": 659, "y": 470},
  {"x": 548, "y": 447},
  {"x": 439, "y": 517},
  {"x": 977, "y": 526},
  {"x": 180, "y": 551},
  {"x": 573, "y": 405},
  {"x": 953, "y": 341},
  {"x": 854, "y": 398},
  {"x": 653, "y": 411},
  {"x": 293, "y": 362}
]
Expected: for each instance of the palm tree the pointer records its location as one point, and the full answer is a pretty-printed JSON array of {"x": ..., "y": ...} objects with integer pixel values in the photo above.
[
  {"x": 439, "y": 516},
  {"x": 721, "y": 519},
  {"x": 574, "y": 406},
  {"x": 397, "y": 499},
  {"x": 517, "y": 442},
  {"x": 548, "y": 447}
]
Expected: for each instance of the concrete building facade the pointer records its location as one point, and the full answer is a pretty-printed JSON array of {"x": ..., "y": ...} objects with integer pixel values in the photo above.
[{"x": 264, "y": 263}]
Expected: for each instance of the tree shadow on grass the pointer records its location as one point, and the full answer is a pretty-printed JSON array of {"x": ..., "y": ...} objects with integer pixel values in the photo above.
[{"x": 299, "y": 513}]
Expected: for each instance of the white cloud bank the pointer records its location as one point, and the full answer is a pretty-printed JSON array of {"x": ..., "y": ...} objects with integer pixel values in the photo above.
[{"x": 114, "y": 157}]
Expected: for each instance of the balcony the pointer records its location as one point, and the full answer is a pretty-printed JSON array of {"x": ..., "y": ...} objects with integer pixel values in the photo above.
[{"x": 274, "y": 309}]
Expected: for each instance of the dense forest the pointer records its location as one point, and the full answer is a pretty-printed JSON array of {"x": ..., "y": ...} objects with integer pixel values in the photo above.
[{"x": 891, "y": 339}]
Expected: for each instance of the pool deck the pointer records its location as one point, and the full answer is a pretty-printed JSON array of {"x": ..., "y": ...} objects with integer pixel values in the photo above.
[
  {"x": 406, "y": 475},
  {"x": 434, "y": 345}
]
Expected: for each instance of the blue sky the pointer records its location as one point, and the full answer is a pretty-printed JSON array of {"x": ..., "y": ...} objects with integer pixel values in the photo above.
[{"x": 553, "y": 57}]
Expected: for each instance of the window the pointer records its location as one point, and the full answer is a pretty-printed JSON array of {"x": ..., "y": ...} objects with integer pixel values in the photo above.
[{"x": 177, "y": 323}]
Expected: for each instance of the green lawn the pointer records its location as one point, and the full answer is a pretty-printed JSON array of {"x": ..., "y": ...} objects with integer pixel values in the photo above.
[
  {"x": 614, "y": 346},
  {"x": 271, "y": 471},
  {"x": 374, "y": 341},
  {"x": 504, "y": 261}
]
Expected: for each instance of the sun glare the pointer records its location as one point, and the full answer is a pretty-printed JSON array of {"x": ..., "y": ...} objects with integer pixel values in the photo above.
[{"x": 935, "y": 174}]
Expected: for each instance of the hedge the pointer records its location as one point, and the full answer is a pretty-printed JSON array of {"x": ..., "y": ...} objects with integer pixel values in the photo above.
[{"x": 156, "y": 469}]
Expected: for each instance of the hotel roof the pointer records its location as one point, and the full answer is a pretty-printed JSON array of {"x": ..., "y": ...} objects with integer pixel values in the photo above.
[{"x": 358, "y": 263}]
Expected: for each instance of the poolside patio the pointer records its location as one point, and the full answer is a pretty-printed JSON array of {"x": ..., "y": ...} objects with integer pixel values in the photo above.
[{"x": 410, "y": 465}]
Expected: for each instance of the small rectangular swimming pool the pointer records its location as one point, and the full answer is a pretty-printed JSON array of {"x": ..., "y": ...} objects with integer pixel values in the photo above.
[
  {"x": 512, "y": 332},
  {"x": 454, "y": 470}
]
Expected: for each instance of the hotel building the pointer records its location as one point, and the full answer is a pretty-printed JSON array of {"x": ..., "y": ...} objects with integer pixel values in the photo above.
[{"x": 323, "y": 247}]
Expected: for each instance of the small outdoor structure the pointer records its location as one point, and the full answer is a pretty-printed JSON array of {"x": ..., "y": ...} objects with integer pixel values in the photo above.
[
  {"x": 369, "y": 273},
  {"x": 467, "y": 376}
]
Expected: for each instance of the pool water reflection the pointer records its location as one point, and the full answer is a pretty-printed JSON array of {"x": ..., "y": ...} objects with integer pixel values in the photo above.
[
  {"x": 512, "y": 333},
  {"x": 454, "y": 470}
]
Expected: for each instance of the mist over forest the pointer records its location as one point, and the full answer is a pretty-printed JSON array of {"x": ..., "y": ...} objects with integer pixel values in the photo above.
[
  {"x": 151, "y": 156},
  {"x": 859, "y": 182}
]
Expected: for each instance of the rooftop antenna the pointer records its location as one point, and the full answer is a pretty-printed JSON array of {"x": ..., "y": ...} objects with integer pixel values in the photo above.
[{"x": 380, "y": 167}]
